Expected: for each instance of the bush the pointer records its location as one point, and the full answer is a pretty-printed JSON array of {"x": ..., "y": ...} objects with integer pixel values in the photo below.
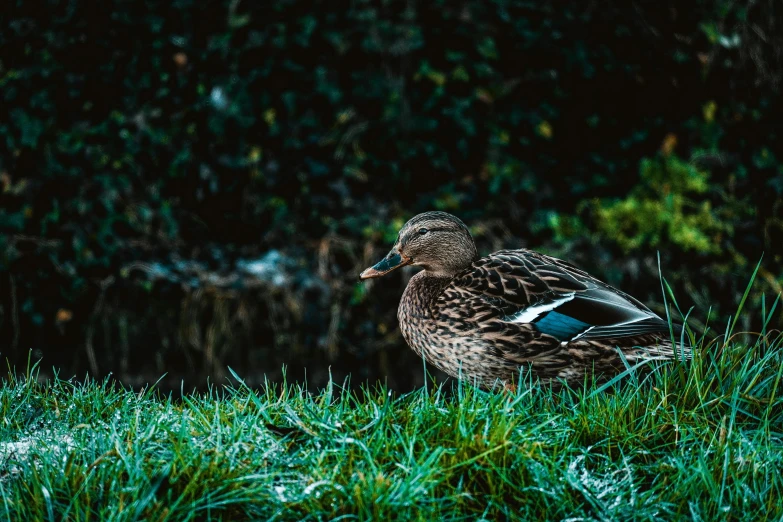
[{"x": 136, "y": 135}]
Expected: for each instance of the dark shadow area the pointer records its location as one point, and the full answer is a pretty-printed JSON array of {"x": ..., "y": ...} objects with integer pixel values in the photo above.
[{"x": 191, "y": 186}]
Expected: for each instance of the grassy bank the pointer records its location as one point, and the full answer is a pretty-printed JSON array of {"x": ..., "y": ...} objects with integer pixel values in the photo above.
[{"x": 703, "y": 442}]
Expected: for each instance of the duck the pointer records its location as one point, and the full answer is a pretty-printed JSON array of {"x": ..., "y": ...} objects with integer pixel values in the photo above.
[{"x": 515, "y": 314}]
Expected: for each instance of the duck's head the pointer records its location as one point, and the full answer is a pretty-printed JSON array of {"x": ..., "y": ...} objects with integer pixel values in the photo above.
[{"x": 436, "y": 241}]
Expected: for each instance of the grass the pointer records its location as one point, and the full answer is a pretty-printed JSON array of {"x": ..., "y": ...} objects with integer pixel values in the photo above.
[{"x": 695, "y": 441}]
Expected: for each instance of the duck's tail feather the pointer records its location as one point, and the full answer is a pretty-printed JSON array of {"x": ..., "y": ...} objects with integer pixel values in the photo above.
[{"x": 663, "y": 349}]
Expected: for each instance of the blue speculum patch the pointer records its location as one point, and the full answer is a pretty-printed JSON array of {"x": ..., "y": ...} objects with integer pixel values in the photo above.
[{"x": 560, "y": 326}]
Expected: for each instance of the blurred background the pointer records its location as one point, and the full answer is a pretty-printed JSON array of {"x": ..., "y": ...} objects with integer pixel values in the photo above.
[{"x": 189, "y": 186}]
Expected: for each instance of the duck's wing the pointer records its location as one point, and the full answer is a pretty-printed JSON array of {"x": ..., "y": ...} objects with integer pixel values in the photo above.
[{"x": 545, "y": 295}]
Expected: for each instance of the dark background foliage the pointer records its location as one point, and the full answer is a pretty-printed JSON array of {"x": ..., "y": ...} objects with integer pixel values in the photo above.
[{"x": 191, "y": 185}]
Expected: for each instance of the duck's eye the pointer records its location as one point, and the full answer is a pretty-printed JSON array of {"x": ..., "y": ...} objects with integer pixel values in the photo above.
[{"x": 423, "y": 231}]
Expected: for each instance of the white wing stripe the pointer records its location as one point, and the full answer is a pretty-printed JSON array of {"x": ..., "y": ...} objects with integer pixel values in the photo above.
[
  {"x": 581, "y": 334},
  {"x": 529, "y": 314}
]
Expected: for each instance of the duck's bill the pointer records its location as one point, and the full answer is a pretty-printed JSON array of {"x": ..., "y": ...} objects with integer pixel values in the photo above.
[{"x": 386, "y": 265}]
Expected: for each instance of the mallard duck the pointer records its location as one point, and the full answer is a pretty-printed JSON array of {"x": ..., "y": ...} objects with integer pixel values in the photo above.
[{"x": 486, "y": 318}]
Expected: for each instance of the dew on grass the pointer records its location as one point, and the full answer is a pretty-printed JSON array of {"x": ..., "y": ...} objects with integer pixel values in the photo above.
[
  {"x": 281, "y": 493},
  {"x": 34, "y": 443}
]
